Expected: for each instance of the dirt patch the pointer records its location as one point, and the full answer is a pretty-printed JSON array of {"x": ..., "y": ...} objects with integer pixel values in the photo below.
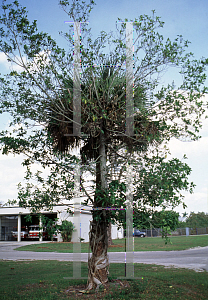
[
  {"x": 116, "y": 246},
  {"x": 107, "y": 289},
  {"x": 54, "y": 242},
  {"x": 28, "y": 288},
  {"x": 43, "y": 247},
  {"x": 60, "y": 243}
]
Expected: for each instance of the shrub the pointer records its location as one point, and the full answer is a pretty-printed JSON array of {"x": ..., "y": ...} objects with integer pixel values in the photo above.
[{"x": 66, "y": 229}]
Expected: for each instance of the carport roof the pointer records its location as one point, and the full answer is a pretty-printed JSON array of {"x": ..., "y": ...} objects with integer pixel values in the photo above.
[{"x": 15, "y": 210}]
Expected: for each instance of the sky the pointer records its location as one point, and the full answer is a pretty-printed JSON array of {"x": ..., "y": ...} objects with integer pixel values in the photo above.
[{"x": 186, "y": 17}]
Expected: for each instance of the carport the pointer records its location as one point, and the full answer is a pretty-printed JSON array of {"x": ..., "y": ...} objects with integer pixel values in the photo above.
[{"x": 13, "y": 217}]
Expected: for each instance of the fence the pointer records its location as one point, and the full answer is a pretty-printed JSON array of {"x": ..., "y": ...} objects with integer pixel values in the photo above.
[
  {"x": 190, "y": 231},
  {"x": 154, "y": 232}
]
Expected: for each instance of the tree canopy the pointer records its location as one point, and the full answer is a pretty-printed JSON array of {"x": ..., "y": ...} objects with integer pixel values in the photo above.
[
  {"x": 195, "y": 220},
  {"x": 156, "y": 219},
  {"x": 42, "y": 100}
]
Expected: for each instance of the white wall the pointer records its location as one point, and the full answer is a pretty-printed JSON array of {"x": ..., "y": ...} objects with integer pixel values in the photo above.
[
  {"x": 85, "y": 227},
  {"x": 85, "y": 224},
  {"x": 115, "y": 233}
]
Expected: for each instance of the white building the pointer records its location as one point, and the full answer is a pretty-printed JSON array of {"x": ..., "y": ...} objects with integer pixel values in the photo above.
[{"x": 13, "y": 218}]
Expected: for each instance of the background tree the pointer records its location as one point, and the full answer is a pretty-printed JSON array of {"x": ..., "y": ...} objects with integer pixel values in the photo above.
[
  {"x": 156, "y": 219},
  {"x": 195, "y": 220},
  {"x": 50, "y": 226},
  {"x": 40, "y": 101},
  {"x": 182, "y": 224},
  {"x": 167, "y": 218}
]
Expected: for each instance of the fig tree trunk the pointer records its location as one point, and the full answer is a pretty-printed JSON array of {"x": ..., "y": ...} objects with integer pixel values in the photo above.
[{"x": 98, "y": 264}]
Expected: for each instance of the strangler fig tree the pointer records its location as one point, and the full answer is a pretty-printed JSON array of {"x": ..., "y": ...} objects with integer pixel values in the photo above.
[{"x": 40, "y": 98}]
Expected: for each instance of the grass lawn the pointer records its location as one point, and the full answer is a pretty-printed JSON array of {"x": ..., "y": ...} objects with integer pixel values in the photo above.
[
  {"x": 44, "y": 280},
  {"x": 140, "y": 244}
]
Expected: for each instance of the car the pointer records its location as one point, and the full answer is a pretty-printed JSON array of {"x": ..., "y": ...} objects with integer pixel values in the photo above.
[{"x": 138, "y": 233}]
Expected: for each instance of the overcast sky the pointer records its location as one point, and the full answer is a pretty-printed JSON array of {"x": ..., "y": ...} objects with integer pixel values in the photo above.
[{"x": 186, "y": 17}]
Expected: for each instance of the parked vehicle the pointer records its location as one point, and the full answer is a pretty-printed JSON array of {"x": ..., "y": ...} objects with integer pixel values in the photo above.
[
  {"x": 138, "y": 233},
  {"x": 34, "y": 232},
  {"x": 24, "y": 232}
]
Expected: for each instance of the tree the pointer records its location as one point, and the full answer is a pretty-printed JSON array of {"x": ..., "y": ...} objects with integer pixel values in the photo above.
[
  {"x": 158, "y": 184},
  {"x": 42, "y": 100},
  {"x": 50, "y": 225},
  {"x": 195, "y": 220},
  {"x": 166, "y": 219}
]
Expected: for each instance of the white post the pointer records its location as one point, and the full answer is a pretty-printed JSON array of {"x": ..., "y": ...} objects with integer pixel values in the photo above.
[
  {"x": 59, "y": 238},
  {"x": 76, "y": 82},
  {"x": 19, "y": 228},
  {"x": 76, "y": 219},
  {"x": 129, "y": 80},
  {"x": 129, "y": 223},
  {"x": 77, "y": 132},
  {"x": 41, "y": 229}
]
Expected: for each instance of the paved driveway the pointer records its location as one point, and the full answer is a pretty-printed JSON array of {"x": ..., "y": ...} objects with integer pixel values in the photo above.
[{"x": 196, "y": 259}]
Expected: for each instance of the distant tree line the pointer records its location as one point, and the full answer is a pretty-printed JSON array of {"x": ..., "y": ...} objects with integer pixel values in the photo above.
[
  {"x": 195, "y": 220},
  {"x": 147, "y": 219}
]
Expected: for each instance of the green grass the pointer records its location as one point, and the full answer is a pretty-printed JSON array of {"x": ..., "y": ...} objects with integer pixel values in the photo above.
[
  {"x": 140, "y": 244},
  {"x": 44, "y": 280}
]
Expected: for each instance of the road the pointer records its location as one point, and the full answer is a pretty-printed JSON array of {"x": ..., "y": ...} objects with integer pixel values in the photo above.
[{"x": 196, "y": 259}]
